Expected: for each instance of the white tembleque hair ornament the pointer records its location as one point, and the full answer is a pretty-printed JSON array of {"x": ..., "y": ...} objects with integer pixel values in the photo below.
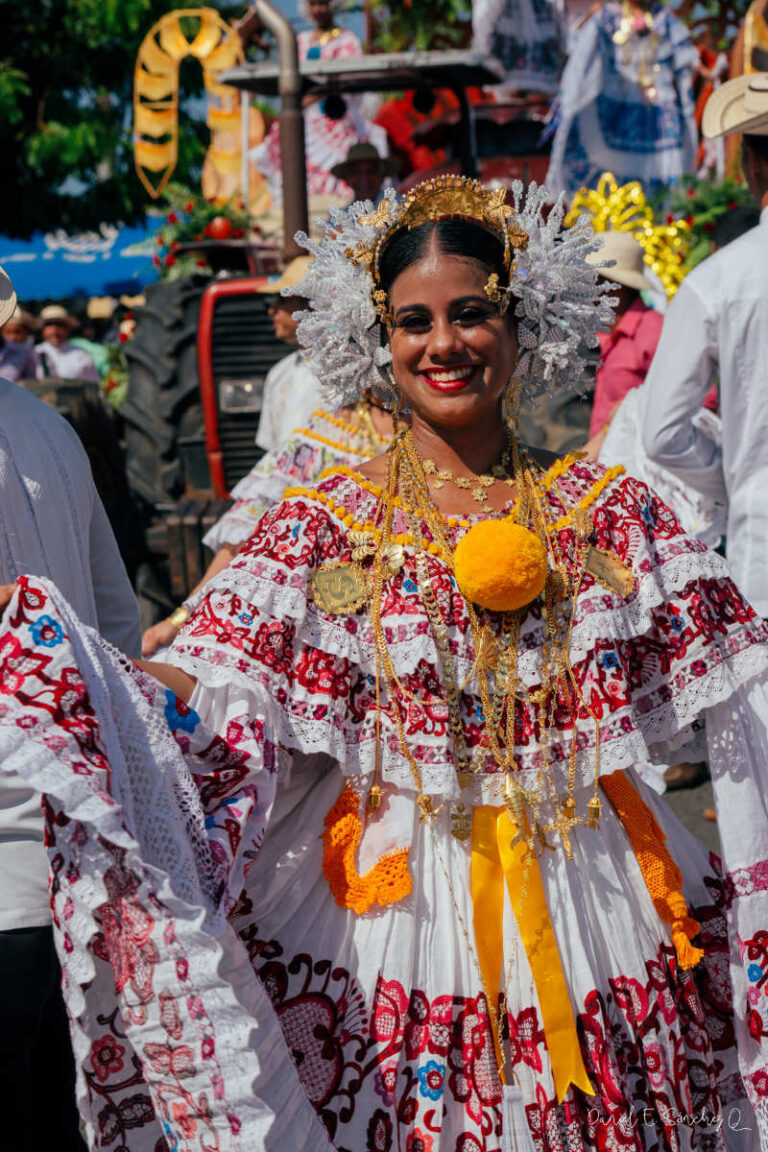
[{"x": 558, "y": 303}]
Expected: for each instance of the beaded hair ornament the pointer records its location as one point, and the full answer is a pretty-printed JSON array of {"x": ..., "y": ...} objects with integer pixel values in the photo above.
[{"x": 558, "y": 303}]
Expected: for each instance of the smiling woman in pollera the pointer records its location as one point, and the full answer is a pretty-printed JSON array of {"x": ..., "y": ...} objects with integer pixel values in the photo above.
[{"x": 430, "y": 903}]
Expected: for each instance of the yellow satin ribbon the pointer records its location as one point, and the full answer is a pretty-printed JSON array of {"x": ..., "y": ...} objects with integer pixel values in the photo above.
[{"x": 496, "y": 859}]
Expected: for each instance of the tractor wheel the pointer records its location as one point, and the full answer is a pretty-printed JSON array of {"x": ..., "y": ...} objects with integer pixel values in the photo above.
[{"x": 163, "y": 402}]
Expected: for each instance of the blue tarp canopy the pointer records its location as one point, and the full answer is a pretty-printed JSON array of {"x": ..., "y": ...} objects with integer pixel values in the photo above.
[{"x": 54, "y": 265}]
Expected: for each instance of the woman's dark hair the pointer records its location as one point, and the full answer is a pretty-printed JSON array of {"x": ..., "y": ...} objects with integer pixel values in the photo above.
[{"x": 454, "y": 237}]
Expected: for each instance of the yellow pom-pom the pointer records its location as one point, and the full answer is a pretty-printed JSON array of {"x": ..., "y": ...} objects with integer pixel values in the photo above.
[{"x": 500, "y": 565}]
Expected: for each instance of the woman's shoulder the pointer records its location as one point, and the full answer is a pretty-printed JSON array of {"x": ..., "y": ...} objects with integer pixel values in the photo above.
[{"x": 310, "y": 524}]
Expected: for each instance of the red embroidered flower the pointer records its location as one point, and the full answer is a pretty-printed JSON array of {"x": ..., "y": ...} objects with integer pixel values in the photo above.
[
  {"x": 419, "y": 1141},
  {"x": 187, "y": 1124},
  {"x": 17, "y": 663},
  {"x": 106, "y": 1057}
]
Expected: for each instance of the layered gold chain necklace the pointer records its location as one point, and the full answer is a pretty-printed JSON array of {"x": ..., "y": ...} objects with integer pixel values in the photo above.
[{"x": 540, "y": 809}]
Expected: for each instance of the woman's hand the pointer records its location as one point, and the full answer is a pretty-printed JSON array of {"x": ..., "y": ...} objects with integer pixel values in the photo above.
[
  {"x": 593, "y": 447},
  {"x": 160, "y": 634}
]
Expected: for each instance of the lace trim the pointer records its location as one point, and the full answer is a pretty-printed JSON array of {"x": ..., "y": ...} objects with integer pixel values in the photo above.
[
  {"x": 316, "y": 725},
  {"x": 600, "y": 616},
  {"x": 172, "y": 870},
  {"x": 745, "y": 882}
]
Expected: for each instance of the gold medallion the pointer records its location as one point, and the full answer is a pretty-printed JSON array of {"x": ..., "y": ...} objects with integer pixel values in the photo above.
[
  {"x": 609, "y": 571},
  {"x": 461, "y": 821},
  {"x": 466, "y": 779},
  {"x": 339, "y": 587}
]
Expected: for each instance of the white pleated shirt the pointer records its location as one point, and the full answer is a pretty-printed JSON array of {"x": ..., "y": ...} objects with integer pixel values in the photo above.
[
  {"x": 291, "y": 395},
  {"x": 52, "y": 523},
  {"x": 716, "y": 328}
]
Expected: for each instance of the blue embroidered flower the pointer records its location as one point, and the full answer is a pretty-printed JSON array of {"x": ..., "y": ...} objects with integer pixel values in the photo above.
[
  {"x": 46, "y": 632},
  {"x": 173, "y": 1143},
  {"x": 677, "y": 623},
  {"x": 245, "y": 618},
  {"x": 646, "y": 511},
  {"x": 179, "y": 716},
  {"x": 410, "y": 586},
  {"x": 609, "y": 660},
  {"x": 755, "y": 972},
  {"x": 432, "y": 1080}
]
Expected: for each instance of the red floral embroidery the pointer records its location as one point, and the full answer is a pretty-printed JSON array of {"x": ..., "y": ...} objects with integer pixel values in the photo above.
[{"x": 106, "y": 1057}]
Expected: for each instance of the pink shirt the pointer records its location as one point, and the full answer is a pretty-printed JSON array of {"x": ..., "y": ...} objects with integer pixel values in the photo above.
[{"x": 625, "y": 357}]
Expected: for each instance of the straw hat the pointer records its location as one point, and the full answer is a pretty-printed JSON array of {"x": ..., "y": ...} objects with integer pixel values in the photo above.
[
  {"x": 739, "y": 105},
  {"x": 292, "y": 273},
  {"x": 57, "y": 314},
  {"x": 629, "y": 260},
  {"x": 7, "y": 298},
  {"x": 26, "y": 319},
  {"x": 362, "y": 151}
]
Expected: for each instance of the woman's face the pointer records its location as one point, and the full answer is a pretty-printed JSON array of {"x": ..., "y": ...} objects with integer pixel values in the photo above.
[
  {"x": 452, "y": 353},
  {"x": 320, "y": 13}
]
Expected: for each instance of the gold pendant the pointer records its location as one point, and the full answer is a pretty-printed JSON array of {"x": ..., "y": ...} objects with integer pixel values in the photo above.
[
  {"x": 487, "y": 653},
  {"x": 583, "y": 523},
  {"x": 461, "y": 821},
  {"x": 339, "y": 587},
  {"x": 466, "y": 779},
  {"x": 609, "y": 571}
]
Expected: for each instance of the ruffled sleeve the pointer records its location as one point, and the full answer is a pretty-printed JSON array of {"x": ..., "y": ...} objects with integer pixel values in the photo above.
[
  {"x": 651, "y": 663},
  {"x": 737, "y": 736},
  {"x": 259, "y": 646}
]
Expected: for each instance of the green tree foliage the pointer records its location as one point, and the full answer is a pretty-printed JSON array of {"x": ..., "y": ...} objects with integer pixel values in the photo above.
[
  {"x": 66, "y": 87},
  {"x": 719, "y": 18},
  {"x": 401, "y": 25}
]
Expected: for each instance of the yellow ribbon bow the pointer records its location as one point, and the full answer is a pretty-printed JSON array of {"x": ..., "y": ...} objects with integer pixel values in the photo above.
[{"x": 498, "y": 856}]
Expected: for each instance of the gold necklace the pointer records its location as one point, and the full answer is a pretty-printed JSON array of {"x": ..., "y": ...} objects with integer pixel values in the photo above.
[
  {"x": 476, "y": 485},
  {"x": 323, "y": 38},
  {"x": 493, "y": 655}
]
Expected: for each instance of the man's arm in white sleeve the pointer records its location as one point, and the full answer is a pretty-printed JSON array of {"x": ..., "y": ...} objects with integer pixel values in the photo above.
[
  {"x": 116, "y": 607},
  {"x": 683, "y": 370}
]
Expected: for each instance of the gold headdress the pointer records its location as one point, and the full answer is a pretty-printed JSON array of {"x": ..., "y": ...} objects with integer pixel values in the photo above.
[{"x": 442, "y": 198}]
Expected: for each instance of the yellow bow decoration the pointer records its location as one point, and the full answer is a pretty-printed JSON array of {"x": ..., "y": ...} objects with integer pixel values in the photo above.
[
  {"x": 156, "y": 95},
  {"x": 625, "y": 208},
  {"x": 500, "y": 856}
]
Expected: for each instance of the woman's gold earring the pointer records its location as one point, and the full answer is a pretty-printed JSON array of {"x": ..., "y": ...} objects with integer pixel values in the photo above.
[{"x": 512, "y": 403}]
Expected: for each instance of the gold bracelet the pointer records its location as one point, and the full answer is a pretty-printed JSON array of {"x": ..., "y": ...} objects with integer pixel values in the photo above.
[{"x": 179, "y": 616}]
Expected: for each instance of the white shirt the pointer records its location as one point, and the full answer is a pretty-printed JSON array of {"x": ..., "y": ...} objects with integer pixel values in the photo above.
[
  {"x": 52, "y": 523},
  {"x": 717, "y": 327},
  {"x": 67, "y": 361},
  {"x": 291, "y": 395}
]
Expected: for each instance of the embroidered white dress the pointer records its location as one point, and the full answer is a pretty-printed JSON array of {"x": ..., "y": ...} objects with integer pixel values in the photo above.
[
  {"x": 625, "y": 108},
  {"x": 224, "y": 997}
]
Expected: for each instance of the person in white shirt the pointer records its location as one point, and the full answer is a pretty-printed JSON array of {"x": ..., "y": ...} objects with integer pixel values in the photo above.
[
  {"x": 52, "y": 524},
  {"x": 57, "y": 356},
  {"x": 291, "y": 389},
  {"x": 717, "y": 328}
]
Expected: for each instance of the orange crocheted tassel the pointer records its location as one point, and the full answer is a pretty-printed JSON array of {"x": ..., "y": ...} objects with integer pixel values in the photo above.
[
  {"x": 662, "y": 876},
  {"x": 386, "y": 883}
]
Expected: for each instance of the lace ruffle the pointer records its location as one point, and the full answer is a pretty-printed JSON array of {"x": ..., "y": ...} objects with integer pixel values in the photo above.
[{"x": 138, "y": 818}]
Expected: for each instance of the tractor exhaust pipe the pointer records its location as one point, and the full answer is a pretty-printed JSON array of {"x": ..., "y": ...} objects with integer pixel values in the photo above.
[{"x": 292, "y": 157}]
